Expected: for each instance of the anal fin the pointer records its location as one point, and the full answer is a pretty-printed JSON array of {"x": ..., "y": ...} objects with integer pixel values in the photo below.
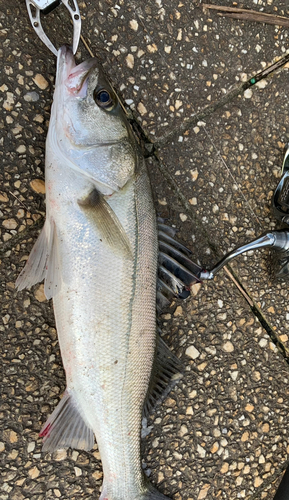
[{"x": 66, "y": 428}]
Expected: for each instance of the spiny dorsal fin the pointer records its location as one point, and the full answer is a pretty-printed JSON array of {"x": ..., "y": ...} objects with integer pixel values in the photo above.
[
  {"x": 109, "y": 226},
  {"x": 65, "y": 428}
]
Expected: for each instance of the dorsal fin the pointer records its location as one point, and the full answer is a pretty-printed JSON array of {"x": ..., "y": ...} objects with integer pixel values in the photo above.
[{"x": 164, "y": 375}]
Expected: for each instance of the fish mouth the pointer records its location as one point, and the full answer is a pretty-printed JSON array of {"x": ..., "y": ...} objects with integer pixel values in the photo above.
[{"x": 71, "y": 75}]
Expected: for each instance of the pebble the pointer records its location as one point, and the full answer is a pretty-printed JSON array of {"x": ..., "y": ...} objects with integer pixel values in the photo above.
[
  {"x": 129, "y": 61},
  {"x": 141, "y": 109},
  {"x": 60, "y": 455},
  {"x": 178, "y": 311},
  {"x": 248, "y": 94},
  {"x": 31, "y": 97},
  {"x": 40, "y": 81},
  {"x": 134, "y": 24},
  {"x": 38, "y": 185},
  {"x": 78, "y": 471},
  {"x": 9, "y": 224},
  {"x": 204, "y": 491},
  {"x": 228, "y": 347},
  {"x": 39, "y": 294},
  {"x": 192, "y": 352},
  {"x": 34, "y": 472}
]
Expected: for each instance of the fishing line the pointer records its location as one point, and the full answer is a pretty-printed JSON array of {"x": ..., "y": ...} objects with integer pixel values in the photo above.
[{"x": 231, "y": 175}]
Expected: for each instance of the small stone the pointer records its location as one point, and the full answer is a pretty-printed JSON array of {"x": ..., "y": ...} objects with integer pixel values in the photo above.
[
  {"x": 141, "y": 109},
  {"x": 21, "y": 149},
  {"x": 40, "y": 81},
  {"x": 183, "y": 430},
  {"x": 193, "y": 201},
  {"x": 192, "y": 352},
  {"x": 39, "y": 294},
  {"x": 3, "y": 197},
  {"x": 249, "y": 407},
  {"x": 215, "y": 447},
  {"x": 245, "y": 436},
  {"x": 178, "y": 311},
  {"x": 31, "y": 97},
  {"x": 228, "y": 347},
  {"x": 202, "y": 366},
  {"x": 9, "y": 224},
  {"x": 129, "y": 61},
  {"x": 257, "y": 481},
  {"x": 60, "y": 455},
  {"x": 133, "y": 24},
  {"x": 263, "y": 342},
  {"x": 78, "y": 471},
  {"x": 2, "y": 447},
  {"x": 234, "y": 375},
  {"x": 284, "y": 337},
  {"x": 195, "y": 289},
  {"x": 34, "y": 472},
  {"x": 97, "y": 475},
  {"x": 225, "y": 468},
  {"x": 194, "y": 174},
  {"x": 183, "y": 217},
  {"x": 152, "y": 48},
  {"x": 201, "y": 451},
  {"x": 38, "y": 185},
  {"x": 13, "y": 438},
  {"x": 265, "y": 427},
  {"x": 204, "y": 491},
  {"x": 178, "y": 104},
  {"x": 30, "y": 447},
  {"x": 248, "y": 94},
  {"x": 189, "y": 410}
]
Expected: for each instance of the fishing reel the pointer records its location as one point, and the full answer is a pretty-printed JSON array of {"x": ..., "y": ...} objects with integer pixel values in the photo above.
[
  {"x": 177, "y": 273},
  {"x": 277, "y": 240}
]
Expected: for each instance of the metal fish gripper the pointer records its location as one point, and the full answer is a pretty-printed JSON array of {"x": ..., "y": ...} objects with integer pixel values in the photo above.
[{"x": 36, "y": 7}]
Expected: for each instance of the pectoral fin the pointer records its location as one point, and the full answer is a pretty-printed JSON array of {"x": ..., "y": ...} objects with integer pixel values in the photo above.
[
  {"x": 43, "y": 262},
  {"x": 109, "y": 226}
]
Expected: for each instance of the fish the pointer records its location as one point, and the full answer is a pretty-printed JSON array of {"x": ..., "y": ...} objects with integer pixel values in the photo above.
[{"x": 98, "y": 254}]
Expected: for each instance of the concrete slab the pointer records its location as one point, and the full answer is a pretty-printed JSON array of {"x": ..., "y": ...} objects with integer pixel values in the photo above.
[{"x": 222, "y": 432}]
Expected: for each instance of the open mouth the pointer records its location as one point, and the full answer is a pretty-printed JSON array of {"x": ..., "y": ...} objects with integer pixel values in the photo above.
[{"x": 73, "y": 76}]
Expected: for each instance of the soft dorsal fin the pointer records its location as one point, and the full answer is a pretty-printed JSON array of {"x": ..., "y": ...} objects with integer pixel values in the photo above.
[
  {"x": 164, "y": 375},
  {"x": 43, "y": 262},
  {"x": 66, "y": 428},
  {"x": 108, "y": 224}
]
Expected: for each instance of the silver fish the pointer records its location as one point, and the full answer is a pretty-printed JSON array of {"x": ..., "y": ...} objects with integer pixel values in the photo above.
[{"x": 98, "y": 253}]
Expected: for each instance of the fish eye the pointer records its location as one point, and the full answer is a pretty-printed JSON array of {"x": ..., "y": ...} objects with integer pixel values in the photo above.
[{"x": 103, "y": 98}]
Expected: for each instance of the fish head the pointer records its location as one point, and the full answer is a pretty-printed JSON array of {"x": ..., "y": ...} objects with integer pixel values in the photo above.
[{"x": 88, "y": 121}]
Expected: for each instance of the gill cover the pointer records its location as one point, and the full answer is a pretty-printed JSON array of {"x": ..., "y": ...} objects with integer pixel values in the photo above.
[{"x": 88, "y": 128}]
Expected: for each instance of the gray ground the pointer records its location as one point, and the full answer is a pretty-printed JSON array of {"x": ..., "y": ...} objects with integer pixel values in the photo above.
[{"x": 223, "y": 431}]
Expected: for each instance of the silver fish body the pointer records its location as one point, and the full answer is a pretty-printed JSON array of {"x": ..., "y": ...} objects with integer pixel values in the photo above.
[{"x": 98, "y": 255}]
